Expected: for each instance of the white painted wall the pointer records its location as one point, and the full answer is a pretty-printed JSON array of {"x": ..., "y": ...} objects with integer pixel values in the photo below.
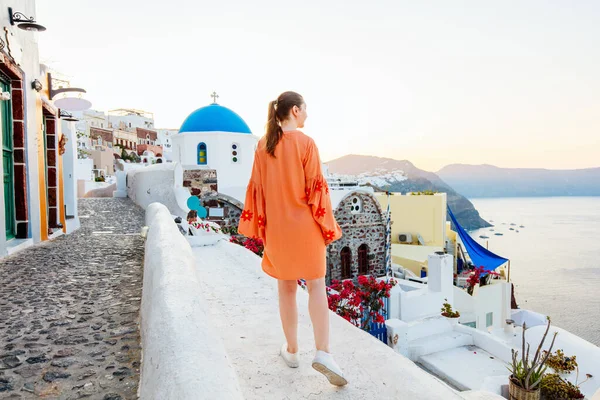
[
  {"x": 69, "y": 174},
  {"x": 493, "y": 299},
  {"x": 232, "y": 177},
  {"x": 158, "y": 183},
  {"x": 410, "y": 301},
  {"x": 83, "y": 169},
  {"x": 183, "y": 357}
]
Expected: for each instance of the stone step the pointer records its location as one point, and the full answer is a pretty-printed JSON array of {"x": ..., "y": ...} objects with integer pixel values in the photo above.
[{"x": 437, "y": 343}]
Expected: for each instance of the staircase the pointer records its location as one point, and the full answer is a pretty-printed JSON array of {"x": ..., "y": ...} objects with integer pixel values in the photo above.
[{"x": 432, "y": 335}]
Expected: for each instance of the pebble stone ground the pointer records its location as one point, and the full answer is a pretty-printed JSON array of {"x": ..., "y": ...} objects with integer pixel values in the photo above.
[{"x": 69, "y": 310}]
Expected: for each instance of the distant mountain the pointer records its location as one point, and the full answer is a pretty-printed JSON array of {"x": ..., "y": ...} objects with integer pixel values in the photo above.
[
  {"x": 490, "y": 181},
  {"x": 403, "y": 176}
]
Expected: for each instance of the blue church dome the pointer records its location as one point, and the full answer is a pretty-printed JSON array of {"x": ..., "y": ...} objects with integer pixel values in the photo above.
[{"x": 214, "y": 118}]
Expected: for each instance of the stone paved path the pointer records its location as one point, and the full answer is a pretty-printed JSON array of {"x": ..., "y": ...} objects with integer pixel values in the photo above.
[{"x": 69, "y": 310}]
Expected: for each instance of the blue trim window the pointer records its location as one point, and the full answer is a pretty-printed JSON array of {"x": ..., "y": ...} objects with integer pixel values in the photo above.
[{"x": 202, "y": 154}]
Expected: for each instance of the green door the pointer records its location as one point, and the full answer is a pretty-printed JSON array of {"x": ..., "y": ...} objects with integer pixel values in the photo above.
[{"x": 7, "y": 163}]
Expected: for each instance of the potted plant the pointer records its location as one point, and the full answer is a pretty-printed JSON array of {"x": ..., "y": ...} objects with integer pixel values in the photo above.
[
  {"x": 449, "y": 313},
  {"x": 527, "y": 373},
  {"x": 556, "y": 386}
]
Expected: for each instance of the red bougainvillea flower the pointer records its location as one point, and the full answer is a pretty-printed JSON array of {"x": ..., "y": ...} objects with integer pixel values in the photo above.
[
  {"x": 329, "y": 235},
  {"x": 320, "y": 212},
  {"x": 247, "y": 215},
  {"x": 261, "y": 220},
  {"x": 326, "y": 188}
]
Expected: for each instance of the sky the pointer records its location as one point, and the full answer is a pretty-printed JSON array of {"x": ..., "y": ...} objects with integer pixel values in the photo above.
[{"x": 511, "y": 83}]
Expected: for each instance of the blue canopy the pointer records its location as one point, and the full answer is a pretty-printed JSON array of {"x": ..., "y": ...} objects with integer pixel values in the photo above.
[{"x": 480, "y": 256}]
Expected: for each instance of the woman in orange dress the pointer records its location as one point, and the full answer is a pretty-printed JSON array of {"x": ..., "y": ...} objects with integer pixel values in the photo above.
[{"x": 289, "y": 208}]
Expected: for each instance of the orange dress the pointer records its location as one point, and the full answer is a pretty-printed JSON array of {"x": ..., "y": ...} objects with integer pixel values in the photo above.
[{"x": 289, "y": 208}]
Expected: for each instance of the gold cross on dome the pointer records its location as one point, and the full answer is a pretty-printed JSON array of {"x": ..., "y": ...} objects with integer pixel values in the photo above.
[{"x": 215, "y": 96}]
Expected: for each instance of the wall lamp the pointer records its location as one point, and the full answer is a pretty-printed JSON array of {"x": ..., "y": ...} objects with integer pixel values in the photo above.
[
  {"x": 68, "y": 103},
  {"x": 36, "y": 85},
  {"x": 67, "y": 116},
  {"x": 27, "y": 24}
]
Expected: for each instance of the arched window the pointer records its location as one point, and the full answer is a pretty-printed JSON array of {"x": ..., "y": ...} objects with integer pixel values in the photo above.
[
  {"x": 202, "y": 154},
  {"x": 346, "y": 256},
  {"x": 363, "y": 259}
]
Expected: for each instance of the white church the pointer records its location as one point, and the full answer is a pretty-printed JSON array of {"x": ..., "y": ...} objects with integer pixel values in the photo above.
[{"x": 215, "y": 148}]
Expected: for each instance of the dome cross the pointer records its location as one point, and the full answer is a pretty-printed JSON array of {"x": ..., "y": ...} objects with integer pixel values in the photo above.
[{"x": 215, "y": 96}]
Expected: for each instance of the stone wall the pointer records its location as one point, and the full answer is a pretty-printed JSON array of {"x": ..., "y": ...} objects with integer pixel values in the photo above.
[
  {"x": 232, "y": 210},
  {"x": 364, "y": 227},
  {"x": 201, "y": 182}
]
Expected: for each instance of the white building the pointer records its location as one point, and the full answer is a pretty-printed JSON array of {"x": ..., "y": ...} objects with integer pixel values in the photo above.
[
  {"x": 216, "y": 138},
  {"x": 165, "y": 140},
  {"x": 128, "y": 119},
  {"x": 88, "y": 119}
]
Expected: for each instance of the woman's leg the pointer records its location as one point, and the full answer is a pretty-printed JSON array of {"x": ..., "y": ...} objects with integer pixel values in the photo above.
[
  {"x": 319, "y": 312},
  {"x": 288, "y": 311}
]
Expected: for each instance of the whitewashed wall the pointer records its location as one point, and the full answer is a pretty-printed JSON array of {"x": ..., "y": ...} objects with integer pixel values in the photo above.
[
  {"x": 424, "y": 300},
  {"x": 158, "y": 183},
  {"x": 232, "y": 177},
  {"x": 183, "y": 357}
]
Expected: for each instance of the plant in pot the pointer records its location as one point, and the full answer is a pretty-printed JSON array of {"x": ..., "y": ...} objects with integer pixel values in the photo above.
[
  {"x": 556, "y": 386},
  {"x": 449, "y": 313},
  {"x": 527, "y": 373}
]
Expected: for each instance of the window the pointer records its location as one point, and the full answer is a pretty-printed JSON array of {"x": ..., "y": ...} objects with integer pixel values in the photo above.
[
  {"x": 363, "y": 259},
  {"x": 202, "y": 154},
  {"x": 489, "y": 319},
  {"x": 235, "y": 152},
  {"x": 346, "y": 258},
  {"x": 355, "y": 204}
]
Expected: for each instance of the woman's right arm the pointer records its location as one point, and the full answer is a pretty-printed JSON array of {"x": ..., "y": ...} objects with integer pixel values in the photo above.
[{"x": 317, "y": 194}]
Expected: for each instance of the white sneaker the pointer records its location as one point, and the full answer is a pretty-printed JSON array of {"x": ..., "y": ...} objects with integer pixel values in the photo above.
[
  {"x": 325, "y": 364},
  {"x": 291, "y": 359}
]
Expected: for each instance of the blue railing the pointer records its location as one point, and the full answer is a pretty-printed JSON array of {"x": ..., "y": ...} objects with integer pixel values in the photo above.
[{"x": 379, "y": 330}]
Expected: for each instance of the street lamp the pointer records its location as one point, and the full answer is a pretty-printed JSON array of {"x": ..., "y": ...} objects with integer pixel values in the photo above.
[{"x": 25, "y": 23}]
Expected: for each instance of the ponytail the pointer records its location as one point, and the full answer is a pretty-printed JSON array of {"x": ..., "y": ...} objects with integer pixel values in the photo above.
[
  {"x": 274, "y": 131},
  {"x": 279, "y": 110}
]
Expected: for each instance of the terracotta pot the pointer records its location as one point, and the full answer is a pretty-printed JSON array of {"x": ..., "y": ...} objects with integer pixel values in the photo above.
[{"x": 516, "y": 392}]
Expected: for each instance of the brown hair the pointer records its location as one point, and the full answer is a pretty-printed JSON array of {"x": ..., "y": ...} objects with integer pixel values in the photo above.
[
  {"x": 192, "y": 214},
  {"x": 279, "y": 110}
]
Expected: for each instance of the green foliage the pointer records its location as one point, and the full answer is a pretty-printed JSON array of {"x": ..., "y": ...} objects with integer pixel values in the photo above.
[
  {"x": 527, "y": 373},
  {"x": 561, "y": 364},
  {"x": 553, "y": 387},
  {"x": 424, "y": 193},
  {"x": 100, "y": 179},
  {"x": 448, "y": 312}
]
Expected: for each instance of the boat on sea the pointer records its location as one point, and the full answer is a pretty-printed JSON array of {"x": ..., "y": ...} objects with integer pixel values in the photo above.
[{"x": 498, "y": 234}]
